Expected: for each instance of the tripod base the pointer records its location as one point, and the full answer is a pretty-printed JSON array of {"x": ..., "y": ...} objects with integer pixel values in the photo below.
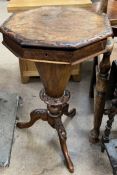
[{"x": 53, "y": 116}]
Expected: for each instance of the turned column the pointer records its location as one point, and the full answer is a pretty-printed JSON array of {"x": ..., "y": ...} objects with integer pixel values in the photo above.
[{"x": 101, "y": 88}]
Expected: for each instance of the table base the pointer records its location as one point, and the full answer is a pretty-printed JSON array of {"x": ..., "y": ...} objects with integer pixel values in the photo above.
[{"x": 53, "y": 115}]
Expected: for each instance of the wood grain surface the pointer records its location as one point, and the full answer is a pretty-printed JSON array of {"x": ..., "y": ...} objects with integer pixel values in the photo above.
[{"x": 60, "y": 27}]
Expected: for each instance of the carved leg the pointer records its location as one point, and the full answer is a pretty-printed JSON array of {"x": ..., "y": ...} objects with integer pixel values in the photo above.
[
  {"x": 70, "y": 113},
  {"x": 101, "y": 88},
  {"x": 57, "y": 124},
  {"x": 34, "y": 116}
]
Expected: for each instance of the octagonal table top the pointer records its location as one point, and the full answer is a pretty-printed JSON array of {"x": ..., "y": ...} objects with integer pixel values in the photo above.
[{"x": 57, "y": 27}]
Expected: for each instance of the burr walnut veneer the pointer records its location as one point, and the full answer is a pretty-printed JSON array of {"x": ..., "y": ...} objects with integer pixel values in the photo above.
[{"x": 56, "y": 38}]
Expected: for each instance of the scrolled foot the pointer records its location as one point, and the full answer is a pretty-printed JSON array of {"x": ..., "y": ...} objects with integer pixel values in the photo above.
[
  {"x": 70, "y": 113},
  {"x": 93, "y": 137},
  {"x": 34, "y": 116}
]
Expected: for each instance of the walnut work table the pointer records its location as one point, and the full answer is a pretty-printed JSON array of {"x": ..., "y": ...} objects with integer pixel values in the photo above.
[{"x": 56, "y": 38}]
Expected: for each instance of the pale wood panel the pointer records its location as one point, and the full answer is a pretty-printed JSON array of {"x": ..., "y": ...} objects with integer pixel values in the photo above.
[{"x": 18, "y": 5}]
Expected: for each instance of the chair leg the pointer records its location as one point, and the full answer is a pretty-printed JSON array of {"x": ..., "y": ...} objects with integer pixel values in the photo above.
[
  {"x": 101, "y": 89},
  {"x": 105, "y": 137},
  {"x": 112, "y": 80},
  {"x": 93, "y": 78},
  {"x": 111, "y": 113}
]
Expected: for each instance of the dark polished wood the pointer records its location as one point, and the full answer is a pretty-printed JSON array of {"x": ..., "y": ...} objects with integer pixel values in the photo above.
[{"x": 59, "y": 40}]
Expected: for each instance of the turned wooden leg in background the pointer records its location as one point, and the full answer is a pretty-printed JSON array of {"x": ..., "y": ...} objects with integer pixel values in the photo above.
[
  {"x": 105, "y": 137},
  {"x": 93, "y": 78},
  {"x": 101, "y": 88}
]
